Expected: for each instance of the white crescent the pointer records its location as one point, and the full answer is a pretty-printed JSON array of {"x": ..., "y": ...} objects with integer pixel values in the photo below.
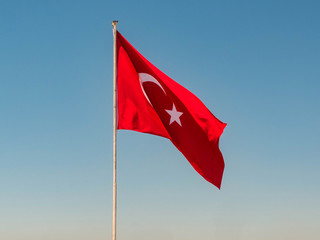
[{"x": 144, "y": 77}]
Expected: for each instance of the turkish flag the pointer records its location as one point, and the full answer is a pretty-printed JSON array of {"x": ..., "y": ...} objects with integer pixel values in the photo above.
[{"x": 148, "y": 101}]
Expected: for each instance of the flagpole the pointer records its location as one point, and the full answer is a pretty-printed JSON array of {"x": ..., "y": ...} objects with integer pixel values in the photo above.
[{"x": 114, "y": 209}]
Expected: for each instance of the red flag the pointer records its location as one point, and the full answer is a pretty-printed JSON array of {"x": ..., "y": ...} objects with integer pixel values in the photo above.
[{"x": 151, "y": 102}]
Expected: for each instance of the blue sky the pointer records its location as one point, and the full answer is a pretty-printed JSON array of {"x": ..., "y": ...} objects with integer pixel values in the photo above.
[{"x": 255, "y": 64}]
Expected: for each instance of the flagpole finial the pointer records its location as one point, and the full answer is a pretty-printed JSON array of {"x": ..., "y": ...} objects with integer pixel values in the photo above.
[{"x": 114, "y": 23}]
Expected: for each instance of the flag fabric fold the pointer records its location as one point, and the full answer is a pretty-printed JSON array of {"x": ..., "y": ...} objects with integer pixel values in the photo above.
[{"x": 148, "y": 101}]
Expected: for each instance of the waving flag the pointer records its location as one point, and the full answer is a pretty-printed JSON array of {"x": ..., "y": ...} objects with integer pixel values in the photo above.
[{"x": 148, "y": 101}]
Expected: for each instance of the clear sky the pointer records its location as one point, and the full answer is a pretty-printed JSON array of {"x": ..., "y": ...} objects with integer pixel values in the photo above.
[{"x": 255, "y": 64}]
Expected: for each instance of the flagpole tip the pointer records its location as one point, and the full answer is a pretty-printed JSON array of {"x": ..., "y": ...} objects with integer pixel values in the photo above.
[{"x": 114, "y": 23}]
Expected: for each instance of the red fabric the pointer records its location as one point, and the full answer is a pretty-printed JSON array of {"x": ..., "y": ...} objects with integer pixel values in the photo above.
[{"x": 160, "y": 106}]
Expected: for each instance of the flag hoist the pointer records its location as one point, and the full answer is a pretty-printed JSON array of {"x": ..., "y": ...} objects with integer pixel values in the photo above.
[{"x": 148, "y": 101}]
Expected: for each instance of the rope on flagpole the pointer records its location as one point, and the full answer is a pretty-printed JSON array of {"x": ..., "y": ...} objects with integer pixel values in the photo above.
[{"x": 114, "y": 209}]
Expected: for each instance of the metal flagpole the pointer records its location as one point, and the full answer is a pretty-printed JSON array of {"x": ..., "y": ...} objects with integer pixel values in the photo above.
[{"x": 114, "y": 210}]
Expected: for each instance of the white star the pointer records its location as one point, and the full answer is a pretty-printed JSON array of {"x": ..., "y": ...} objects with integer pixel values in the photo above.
[{"x": 174, "y": 115}]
